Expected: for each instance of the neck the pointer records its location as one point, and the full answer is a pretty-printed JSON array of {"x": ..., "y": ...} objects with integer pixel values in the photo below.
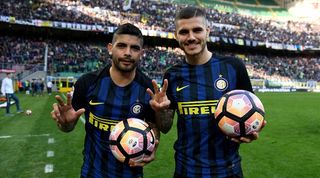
[
  {"x": 199, "y": 59},
  {"x": 121, "y": 79}
]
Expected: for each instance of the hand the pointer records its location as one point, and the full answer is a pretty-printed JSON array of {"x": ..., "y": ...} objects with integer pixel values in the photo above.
[
  {"x": 251, "y": 137},
  {"x": 64, "y": 114},
  {"x": 147, "y": 159},
  {"x": 159, "y": 100}
]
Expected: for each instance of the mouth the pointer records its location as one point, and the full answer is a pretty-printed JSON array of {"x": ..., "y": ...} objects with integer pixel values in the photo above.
[
  {"x": 126, "y": 61},
  {"x": 191, "y": 45}
]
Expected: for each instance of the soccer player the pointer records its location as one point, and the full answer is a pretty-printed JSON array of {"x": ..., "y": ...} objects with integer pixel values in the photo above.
[
  {"x": 194, "y": 88},
  {"x": 106, "y": 97},
  {"x": 7, "y": 90}
]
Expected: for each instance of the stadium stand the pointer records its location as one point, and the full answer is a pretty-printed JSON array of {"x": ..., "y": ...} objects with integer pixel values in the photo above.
[{"x": 272, "y": 49}]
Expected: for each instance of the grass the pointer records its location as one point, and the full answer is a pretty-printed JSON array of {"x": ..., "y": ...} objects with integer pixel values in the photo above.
[
  {"x": 288, "y": 146},
  {"x": 289, "y": 143}
]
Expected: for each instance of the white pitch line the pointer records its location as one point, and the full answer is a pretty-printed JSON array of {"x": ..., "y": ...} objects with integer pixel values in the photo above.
[
  {"x": 50, "y": 140},
  {"x": 22, "y": 136},
  {"x": 50, "y": 154},
  {"x": 48, "y": 168}
]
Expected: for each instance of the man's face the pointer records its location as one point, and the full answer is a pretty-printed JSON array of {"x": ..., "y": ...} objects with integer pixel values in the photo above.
[
  {"x": 126, "y": 52},
  {"x": 191, "y": 35}
]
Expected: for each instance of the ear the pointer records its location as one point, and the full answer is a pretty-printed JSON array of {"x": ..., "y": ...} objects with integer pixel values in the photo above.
[
  {"x": 109, "y": 47},
  {"x": 141, "y": 52},
  {"x": 175, "y": 35},
  {"x": 208, "y": 31}
]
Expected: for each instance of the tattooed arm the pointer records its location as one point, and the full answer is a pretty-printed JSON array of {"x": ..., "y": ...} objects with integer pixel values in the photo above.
[
  {"x": 164, "y": 120},
  {"x": 160, "y": 104}
]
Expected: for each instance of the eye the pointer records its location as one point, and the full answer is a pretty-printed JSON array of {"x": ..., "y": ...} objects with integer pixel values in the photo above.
[
  {"x": 135, "y": 48},
  {"x": 183, "y": 32},
  {"x": 197, "y": 30},
  {"x": 121, "y": 45}
]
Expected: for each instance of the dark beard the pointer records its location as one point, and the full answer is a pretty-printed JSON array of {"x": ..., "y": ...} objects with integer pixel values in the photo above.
[{"x": 124, "y": 70}]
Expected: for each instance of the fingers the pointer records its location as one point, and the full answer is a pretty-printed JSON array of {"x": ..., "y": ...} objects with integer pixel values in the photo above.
[
  {"x": 80, "y": 112},
  {"x": 69, "y": 97},
  {"x": 55, "y": 112},
  {"x": 139, "y": 164},
  {"x": 146, "y": 160},
  {"x": 237, "y": 140},
  {"x": 164, "y": 86},
  {"x": 158, "y": 106},
  {"x": 60, "y": 100},
  {"x": 241, "y": 140},
  {"x": 155, "y": 86},
  {"x": 263, "y": 124},
  {"x": 149, "y": 91},
  {"x": 246, "y": 139},
  {"x": 165, "y": 104}
]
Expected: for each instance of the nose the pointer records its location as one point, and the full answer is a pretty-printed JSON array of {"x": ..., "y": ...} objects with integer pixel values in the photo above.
[
  {"x": 191, "y": 37},
  {"x": 127, "y": 52}
]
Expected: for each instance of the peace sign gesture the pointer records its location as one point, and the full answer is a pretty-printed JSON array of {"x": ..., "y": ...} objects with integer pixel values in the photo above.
[
  {"x": 159, "y": 100},
  {"x": 64, "y": 114}
]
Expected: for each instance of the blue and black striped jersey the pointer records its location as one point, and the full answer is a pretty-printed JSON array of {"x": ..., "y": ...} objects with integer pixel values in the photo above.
[
  {"x": 106, "y": 104},
  {"x": 194, "y": 90}
]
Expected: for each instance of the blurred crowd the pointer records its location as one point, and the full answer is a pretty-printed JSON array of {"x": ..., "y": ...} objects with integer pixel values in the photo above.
[
  {"x": 80, "y": 57},
  {"x": 156, "y": 15}
]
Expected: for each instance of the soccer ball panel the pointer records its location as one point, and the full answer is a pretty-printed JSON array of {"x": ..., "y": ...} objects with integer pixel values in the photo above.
[
  {"x": 131, "y": 145},
  {"x": 219, "y": 107},
  {"x": 117, "y": 153},
  {"x": 257, "y": 101},
  {"x": 137, "y": 123},
  {"x": 116, "y": 131},
  {"x": 229, "y": 127},
  {"x": 151, "y": 141},
  {"x": 254, "y": 123},
  {"x": 132, "y": 142},
  {"x": 238, "y": 105}
]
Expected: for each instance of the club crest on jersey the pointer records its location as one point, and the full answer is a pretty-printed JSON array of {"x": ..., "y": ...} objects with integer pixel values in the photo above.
[
  {"x": 221, "y": 83},
  {"x": 136, "y": 108}
]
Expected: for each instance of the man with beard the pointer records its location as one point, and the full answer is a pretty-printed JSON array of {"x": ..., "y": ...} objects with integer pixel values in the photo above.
[
  {"x": 194, "y": 88},
  {"x": 117, "y": 92}
]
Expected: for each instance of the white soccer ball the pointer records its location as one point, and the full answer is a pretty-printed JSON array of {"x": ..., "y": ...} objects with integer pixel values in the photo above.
[{"x": 28, "y": 112}]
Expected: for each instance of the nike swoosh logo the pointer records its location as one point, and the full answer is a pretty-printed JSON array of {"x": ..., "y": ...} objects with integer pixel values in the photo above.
[
  {"x": 95, "y": 103},
  {"x": 181, "y": 88}
]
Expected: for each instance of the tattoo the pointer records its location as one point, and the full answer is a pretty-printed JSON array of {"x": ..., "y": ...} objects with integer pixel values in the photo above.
[
  {"x": 66, "y": 128},
  {"x": 165, "y": 120}
]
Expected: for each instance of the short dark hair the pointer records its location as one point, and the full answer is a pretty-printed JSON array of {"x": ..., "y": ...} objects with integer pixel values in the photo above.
[
  {"x": 128, "y": 29},
  {"x": 189, "y": 12}
]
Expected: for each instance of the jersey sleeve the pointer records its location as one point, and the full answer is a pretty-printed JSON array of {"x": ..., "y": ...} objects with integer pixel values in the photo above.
[
  {"x": 243, "y": 80},
  {"x": 81, "y": 87},
  {"x": 78, "y": 98}
]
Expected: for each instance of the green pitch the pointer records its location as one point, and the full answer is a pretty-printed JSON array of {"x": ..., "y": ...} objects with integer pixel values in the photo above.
[{"x": 33, "y": 147}]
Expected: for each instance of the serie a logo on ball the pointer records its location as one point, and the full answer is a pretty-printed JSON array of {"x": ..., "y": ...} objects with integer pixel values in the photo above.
[
  {"x": 131, "y": 140},
  {"x": 239, "y": 113}
]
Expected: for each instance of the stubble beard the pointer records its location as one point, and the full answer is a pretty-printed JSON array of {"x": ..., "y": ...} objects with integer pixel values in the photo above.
[{"x": 123, "y": 68}]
